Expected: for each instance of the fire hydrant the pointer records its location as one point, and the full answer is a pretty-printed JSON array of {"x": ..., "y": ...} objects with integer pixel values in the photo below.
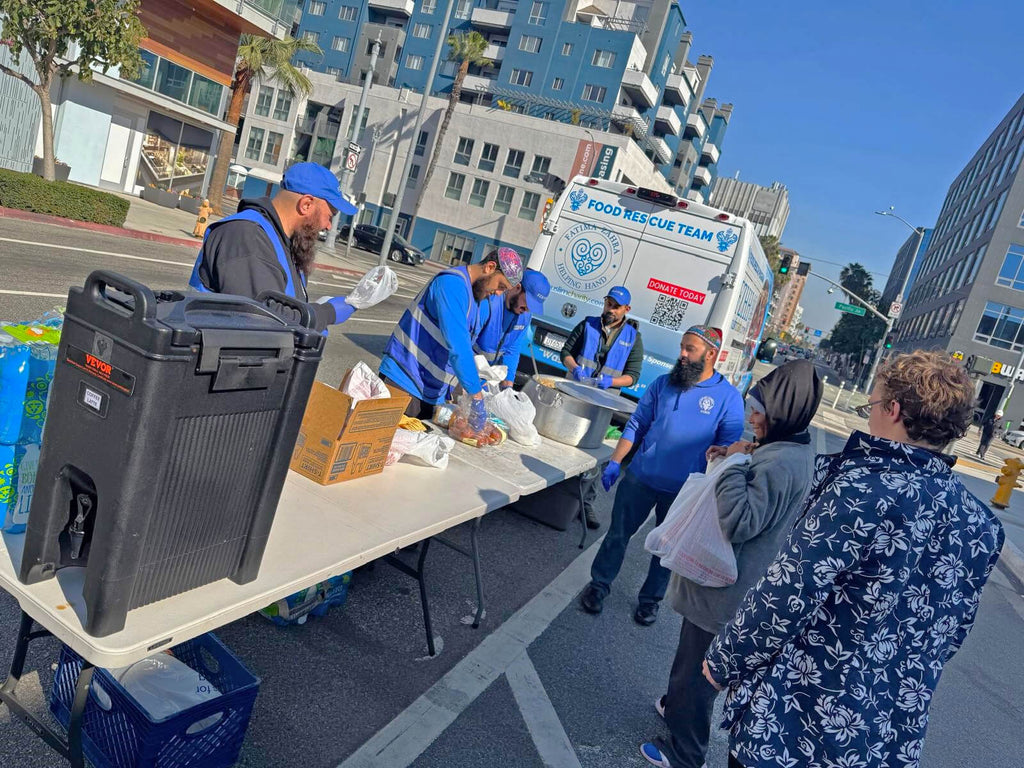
[
  {"x": 203, "y": 219},
  {"x": 1007, "y": 481}
]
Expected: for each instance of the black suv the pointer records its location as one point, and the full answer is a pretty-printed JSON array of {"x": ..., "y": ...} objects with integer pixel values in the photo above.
[{"x": 372, "y": 238}]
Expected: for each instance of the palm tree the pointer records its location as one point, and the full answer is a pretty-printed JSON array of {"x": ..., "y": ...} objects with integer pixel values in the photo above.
[
  {"x": 466, "y": 49},
  {"x": 266, "y": 60}
]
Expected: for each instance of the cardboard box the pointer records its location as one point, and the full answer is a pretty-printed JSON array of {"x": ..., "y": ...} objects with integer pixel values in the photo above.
[{"x": 338, "y": 441}]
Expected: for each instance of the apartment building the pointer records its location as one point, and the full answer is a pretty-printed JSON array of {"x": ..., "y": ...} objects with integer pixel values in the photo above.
[
  {"x": 909, "y": 257},
  {"x": 767, "y": 208},
  {"x": 788, "y": 301}
]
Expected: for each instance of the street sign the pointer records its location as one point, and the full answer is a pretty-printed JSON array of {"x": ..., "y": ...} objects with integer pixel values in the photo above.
[
  {"x": 351, "y": 160},
  {"x": 353, "y": 147},
  {"x": 895, "y": 308},
  {"x": 817, "y": 333},
  {"x": 850, "y": 308}
]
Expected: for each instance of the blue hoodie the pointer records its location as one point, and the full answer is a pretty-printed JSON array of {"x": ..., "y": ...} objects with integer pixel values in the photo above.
[{"x": 675, "y": 428}]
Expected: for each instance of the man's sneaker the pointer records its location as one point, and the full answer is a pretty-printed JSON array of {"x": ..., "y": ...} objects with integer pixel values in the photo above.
[
  {"x": 653, "y": 755},
  {"x": 592, "y": 600},
  {"x": 659, "y": 705},
  {"x": 592, "y": 522},
  {"x": 646, "y": 614}
]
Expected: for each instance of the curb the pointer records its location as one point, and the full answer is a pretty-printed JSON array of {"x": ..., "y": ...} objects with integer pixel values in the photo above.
[
  {"x": 337, "y": 270},
  {"x": 107, "y": 229},
  {"x": 1013, "y": 560}
]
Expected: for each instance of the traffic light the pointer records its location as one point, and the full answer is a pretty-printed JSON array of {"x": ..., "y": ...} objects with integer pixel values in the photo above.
[
  {"x": 803, "y": 268},
  {"x": 888, "y": 341},
  {"x": 784, "y": 265}
]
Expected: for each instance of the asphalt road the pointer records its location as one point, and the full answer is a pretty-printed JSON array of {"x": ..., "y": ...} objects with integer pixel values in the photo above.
[{"x": 550, "y": 686}]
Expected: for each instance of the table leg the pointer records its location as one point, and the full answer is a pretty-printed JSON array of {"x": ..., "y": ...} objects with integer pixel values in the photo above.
[
  {"x": 476, "y": 572},
  {"x": 583, "y": 514},
  {"x": 423, "y": 598}
]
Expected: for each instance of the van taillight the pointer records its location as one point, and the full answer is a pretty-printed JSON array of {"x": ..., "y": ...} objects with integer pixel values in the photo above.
[
  {"x": 592, "y": 182},
  {"x": 722, "y": 217},
  {"x": 682, "y": 204},
  {"x": 654, "y": 196},
  {"x": 630, "y": 191}
]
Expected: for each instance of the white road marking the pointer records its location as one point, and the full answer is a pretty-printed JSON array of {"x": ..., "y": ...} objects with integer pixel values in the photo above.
[
  {"x": 399, "y": 743},
  {"x": 542, "y": 721},
  {"x": 188, "y": 265},
  {"x": 821, "y": 440},
  {"x": 33, "y": 293},
  {"x": 357, "y": 319}
]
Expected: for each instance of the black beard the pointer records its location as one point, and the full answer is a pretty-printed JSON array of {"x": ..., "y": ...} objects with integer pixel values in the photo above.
[
  {"x": 303, "y": 248},
  {"x": 685, "y": 375},
  {"x": 607, "y": 318},
  {"x": 480, "y": 291}
]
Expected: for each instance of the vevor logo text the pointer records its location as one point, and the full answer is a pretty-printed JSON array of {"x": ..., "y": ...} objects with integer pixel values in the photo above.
[{"x": 94, "y": 362}]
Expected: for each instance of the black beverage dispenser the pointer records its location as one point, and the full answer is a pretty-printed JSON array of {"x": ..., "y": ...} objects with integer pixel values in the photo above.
[{"x": 170, "y": 425}]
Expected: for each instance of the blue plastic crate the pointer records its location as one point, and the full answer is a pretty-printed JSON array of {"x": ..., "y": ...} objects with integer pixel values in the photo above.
[{"x": 118, "y": 733}]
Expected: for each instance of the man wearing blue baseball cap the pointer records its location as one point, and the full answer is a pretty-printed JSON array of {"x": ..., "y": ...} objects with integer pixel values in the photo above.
[
  {"x": 505, "y": 320},
  {"x": 270, "y": 244}
]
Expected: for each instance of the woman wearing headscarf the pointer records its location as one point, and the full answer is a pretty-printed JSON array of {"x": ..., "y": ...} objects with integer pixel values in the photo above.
[{"x": 757, "y": 503}]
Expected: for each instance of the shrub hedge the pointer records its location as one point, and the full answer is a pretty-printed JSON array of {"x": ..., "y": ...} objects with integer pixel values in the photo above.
[{"x": 28, "y": 192}]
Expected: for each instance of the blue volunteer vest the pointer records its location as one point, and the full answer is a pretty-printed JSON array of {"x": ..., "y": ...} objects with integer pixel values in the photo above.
[
  {"x": 615, "y": 363},
  {"x": 256, "y": 217},
  {"x": 420, "y": 349},
  {"x": 494, "y": 336}
]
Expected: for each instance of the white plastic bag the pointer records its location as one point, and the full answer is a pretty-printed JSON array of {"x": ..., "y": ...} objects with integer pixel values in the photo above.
[
  {"x": 361, "y": 383},
  {"x": 373, "y": 287},
  {"x": 428, "y": 449},
  {"x": 493, "y": 375},
  {"x": 518, "y": 411},
  {"x": 164, "y": 686},
  {"x": 690, "y": 542}
]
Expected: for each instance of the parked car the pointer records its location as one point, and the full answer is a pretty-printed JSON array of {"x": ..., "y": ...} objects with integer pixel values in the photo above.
[
  {"x": 342, "y": 234},
  {"x": 372, "y": 238},
  {"x": 1014, "y": 437}
]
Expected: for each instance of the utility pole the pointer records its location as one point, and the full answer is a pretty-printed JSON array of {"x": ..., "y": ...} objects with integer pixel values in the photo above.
[
  {"x": 442, "y": 39},
  {"x": 346, "y": 174}
]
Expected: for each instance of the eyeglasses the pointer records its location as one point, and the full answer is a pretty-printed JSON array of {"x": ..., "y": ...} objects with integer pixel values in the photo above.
[{"x": 864, "y": 411}]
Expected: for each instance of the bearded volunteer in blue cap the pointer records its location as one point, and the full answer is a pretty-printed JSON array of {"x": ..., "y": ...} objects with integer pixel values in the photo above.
[
  {"x": 270, "y": 244},
  {"x": 609, "y": 350},
  {"x": 504, "y": 320}
]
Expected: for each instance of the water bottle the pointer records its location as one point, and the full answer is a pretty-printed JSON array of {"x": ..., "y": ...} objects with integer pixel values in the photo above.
[
  {"x": 14, "y": 373},
  {"x": 41, "y": 365}
]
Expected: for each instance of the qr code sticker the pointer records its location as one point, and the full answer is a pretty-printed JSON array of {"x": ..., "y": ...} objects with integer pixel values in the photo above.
[{"x": 669, "y": 312}]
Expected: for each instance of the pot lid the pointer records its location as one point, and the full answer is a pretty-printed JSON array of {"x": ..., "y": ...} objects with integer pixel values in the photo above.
[{"x": 594, "y": 396}]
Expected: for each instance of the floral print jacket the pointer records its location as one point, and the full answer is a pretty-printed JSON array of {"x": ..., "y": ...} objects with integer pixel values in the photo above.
[{"x": 834, "y": 654}]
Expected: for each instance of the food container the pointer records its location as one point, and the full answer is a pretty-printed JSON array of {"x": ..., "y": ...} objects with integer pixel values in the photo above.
[{"x": 572, "y": 413}]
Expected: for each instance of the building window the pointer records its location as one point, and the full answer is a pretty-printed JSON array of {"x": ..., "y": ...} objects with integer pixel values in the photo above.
[
  {"x": 284, "y": 105},
  {"x": 557, "y": 83},
  {"x": 317, "y": 7},
  {"x": 255, "y": 144},
  {"x": 1011, "y": 274},
  {"x": 311, "y": 36},
  {"x": 567, "y": 49},
  {"x": 456, "y": 181},
  {"x": 414, "y": 176},
  {"x": 594, "y": 92},
  {"x": 463, "y": 9},
  {"x": 541, "y": 165},
  {"x": 520, "y": 77},
  {"x": 513, "y": 163},
  {"x": 529, "y": 43},
  {"x": 414, "y": 62},
  {"x": 336, "y": 71},
  {"x": 341, "y": 44},
  {"x": 1001, "y": 326},
  {"x": 362, "y": 124},
  {"x": 421, "y": 144},
  {"x": 273, "y": 151},
  {"x": 464, "y": 151},
  {"x": 422, "y": 31},
  {"x": 528, "y": 209},
  {"x": 478, "y": 197},
  {"x": 503, "y": 200},
  {"x": 172, "y": 80},
  {"x": 427, "y": 7},
  {"x": 605, "y": 59},
  {"x": 488, "y": 157},
  {"x": 538, "y": 13},
  {"x": 264, "y": 100},
  {"x": 348, "y": 13}
]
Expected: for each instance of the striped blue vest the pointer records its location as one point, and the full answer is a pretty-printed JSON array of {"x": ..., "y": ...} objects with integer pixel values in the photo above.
[
  {"x": 420, "y": 349},
  {"x": 615, "y": 362},
  {"x": 493, "y": 336}
]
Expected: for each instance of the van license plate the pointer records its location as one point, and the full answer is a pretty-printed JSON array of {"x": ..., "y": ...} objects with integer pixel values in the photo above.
[{"x": 552, "y": 341}]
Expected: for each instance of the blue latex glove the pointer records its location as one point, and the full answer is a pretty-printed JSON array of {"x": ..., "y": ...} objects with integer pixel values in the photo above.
[
  {"x": 604, "y": 381},
  {"x": 610, "y": 474},
  {"x": 342, "y": 309},
  {"x": 477, "y": 414},
  {"x": 580, "y": 373}
]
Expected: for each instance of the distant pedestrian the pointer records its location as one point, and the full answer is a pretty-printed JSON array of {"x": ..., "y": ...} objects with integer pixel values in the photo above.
[
  {"x": 836, "y": 652},
  {"x": 988, "y": 429},
  {"x": 757, "y": 504}
]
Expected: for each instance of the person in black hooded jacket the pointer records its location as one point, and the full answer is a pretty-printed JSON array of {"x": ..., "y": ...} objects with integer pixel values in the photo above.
[{"x": 757, "y": 504}]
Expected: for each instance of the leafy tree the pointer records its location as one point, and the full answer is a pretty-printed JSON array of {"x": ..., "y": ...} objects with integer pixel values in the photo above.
[
  {"x": 105, "y": 34},
  {"x": 467, "y": 49},
  {"x": 853, "y": 334},
  {"x": 770, "y": 246},
  {"x": 268, "y": 61}
]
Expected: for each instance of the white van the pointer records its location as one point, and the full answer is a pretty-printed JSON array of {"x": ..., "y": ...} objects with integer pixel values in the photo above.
[{"x": 683, "y": 262}]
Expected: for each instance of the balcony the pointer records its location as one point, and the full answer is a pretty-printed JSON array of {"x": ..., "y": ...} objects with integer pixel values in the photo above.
[
  {"x": 495, "y": 52},
  {"x": 696, "y": 127},
  {"x": 273, "y": 17},
  {"x": 477, "y": 84},
  {"x": 710, "y": 153},
  {"x": 668, "y": 121},
  {"x": 393, "y": 7},
  {"x": 486, "y": 18},
  {"x": 677, "y": 91},
  {"x": 701, "y": 177},
  {"x": 639, "y": 86},
  {"x": 662, "y": 153}
]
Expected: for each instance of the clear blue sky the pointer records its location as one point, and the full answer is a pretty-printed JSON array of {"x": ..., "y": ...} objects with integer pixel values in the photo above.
[{"x": 856, "y": 107}]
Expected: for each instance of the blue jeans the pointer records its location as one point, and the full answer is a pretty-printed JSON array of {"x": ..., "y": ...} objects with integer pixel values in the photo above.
[{"x": 633, "y": 503}]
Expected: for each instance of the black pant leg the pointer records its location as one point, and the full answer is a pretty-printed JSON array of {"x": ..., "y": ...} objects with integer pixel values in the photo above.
[{"x": 690, "y": 701}]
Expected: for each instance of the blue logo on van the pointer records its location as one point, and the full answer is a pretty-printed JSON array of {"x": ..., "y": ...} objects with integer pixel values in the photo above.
[
  {"x": 577, "y": 199},
  {"x": 726, "y": 239},
  {"x": 587, "y": 257}
]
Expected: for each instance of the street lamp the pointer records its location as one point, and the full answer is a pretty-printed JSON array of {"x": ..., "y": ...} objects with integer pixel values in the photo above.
[{"x": 919, "y": 231}]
